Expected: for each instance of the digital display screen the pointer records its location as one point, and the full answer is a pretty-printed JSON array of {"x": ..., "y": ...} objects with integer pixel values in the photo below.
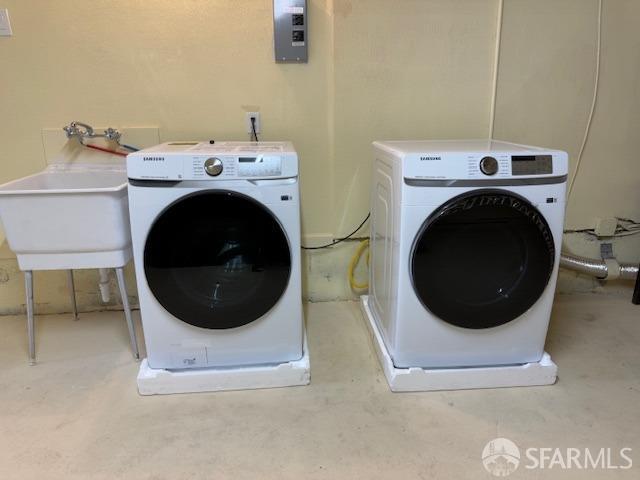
[
  {"x": 260, "y": 166},
  {"x": 531, "y": 165}
]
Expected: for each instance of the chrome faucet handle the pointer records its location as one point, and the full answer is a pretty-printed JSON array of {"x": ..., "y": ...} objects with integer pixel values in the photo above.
[
  {"x": 71, "y": 130},
  {"x": 112, "y": 134},
  {"x": 88, "y": 129},
  {"x": 78, "y": 129}
]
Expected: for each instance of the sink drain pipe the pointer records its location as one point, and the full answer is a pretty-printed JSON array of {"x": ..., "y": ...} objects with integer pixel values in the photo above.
[
  {"x": 607, "y": 269},
  {"x": 105, "y": 291}
]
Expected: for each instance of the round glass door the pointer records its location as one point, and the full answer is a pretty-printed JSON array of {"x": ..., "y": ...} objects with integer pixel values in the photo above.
[
  {"x": 217, "y": 259},
  {"x": 482, "y": 259}
]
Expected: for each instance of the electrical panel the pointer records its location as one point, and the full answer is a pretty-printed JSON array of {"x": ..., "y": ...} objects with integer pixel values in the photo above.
[{"x": 290, "y": 33}]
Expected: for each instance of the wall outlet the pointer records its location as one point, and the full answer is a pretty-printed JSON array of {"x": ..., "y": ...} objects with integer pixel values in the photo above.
[
  {"x": 606, "y": 251},
  {"x": 606, "y": 227},
  {"x": 5, "y": 24},
  {"x": 248, "y": 117}
]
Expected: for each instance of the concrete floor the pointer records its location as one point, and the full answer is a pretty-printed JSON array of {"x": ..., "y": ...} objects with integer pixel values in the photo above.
[{"x": 77, "y": 414}]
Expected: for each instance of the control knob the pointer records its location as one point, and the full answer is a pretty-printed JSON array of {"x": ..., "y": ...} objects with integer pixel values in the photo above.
[
  {"x": 213, "y": 166},
  {"x": 489, "y": 165}
]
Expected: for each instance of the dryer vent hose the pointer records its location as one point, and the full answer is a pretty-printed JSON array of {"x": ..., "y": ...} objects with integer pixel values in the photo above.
[{"x": 608, "y": 269}]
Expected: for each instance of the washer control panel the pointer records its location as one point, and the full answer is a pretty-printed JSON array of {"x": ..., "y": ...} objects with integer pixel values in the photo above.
[
  {"x": 214, "y": 161},
  {"x": 223, "y": 166}
]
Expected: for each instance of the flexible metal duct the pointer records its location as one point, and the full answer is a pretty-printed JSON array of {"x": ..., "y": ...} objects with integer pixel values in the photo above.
[
  {"x": 602, "y": 269},
  {"x": 629, "y": 271}
]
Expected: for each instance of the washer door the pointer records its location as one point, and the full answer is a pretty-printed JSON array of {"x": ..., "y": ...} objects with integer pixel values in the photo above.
[
  {"x": 482, "y": 259},
  {"x": 217, "y": 259}
]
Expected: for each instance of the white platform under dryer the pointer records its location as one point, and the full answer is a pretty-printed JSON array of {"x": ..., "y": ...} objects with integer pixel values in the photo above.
[
  {"x": 216, "y": 241},
  {"x": 465, "y": 244},
  {"x": 418, "y": 379}
]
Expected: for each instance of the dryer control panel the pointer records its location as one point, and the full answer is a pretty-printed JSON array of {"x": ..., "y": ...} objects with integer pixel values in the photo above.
[
  {"x": 482, "y": 160},
  {"x": 480, "y": 165}
]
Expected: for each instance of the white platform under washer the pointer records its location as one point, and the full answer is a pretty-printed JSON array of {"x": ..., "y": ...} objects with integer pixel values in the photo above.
[
  {"x": 465, "y": 244},
  {"x": 216, "y": 241},
  {"x": 156, "y": 381}
]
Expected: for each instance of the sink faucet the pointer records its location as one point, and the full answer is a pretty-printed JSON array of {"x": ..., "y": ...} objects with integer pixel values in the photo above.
[{"x": 81, "y": 131}]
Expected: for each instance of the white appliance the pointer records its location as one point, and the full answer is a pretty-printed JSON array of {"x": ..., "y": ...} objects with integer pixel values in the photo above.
[
  {"x": 465, "y": 244},
  {"x": 216, "y": 242}
]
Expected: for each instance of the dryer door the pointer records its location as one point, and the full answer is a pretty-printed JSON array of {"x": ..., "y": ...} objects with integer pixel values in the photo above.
[
  {"x": 482, "y": 259},
  {"x": 217, "y": 259}
]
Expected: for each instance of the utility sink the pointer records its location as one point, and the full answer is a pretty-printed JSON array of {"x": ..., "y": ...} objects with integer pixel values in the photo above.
[
  {"x": 72, "y": 215},
  {"x": 68, "y": 217}
]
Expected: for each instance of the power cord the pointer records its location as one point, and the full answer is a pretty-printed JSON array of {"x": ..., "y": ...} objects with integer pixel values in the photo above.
[
  {"x": 335, "y": 242},
  {"x": 593, "y": 103},
  {"x": 253, "y": 126},
  {"x": 496, "y": 64}
]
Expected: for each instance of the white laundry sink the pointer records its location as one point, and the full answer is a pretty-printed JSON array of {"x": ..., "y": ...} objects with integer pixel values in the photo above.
[{"x": 68, "y": 216}]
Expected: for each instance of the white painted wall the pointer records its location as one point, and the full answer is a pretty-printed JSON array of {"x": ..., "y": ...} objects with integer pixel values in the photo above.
[{"x": 377, "y": 70}]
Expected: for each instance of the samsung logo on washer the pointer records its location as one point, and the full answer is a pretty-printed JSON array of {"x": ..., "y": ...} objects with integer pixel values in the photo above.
[
  {"x": 153, "y": 159},
  {"x": 424, "y": 159}
]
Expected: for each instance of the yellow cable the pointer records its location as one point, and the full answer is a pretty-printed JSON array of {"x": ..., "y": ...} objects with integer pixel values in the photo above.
[{"x": 354, "y": 263}]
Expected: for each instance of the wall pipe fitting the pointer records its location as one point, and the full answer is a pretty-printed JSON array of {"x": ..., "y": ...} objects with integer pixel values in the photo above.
[{"x": 601, "y": 269}]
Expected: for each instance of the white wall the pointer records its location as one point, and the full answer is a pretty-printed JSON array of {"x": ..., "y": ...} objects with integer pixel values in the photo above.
[
  {"x": 377, "y": 70},
  {"x": 545, "y": 88}
]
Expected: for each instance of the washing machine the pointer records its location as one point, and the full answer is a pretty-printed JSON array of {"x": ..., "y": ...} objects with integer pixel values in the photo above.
[
  {"x": 465, "y": 243},
  {"x": 216, "y": 243}
]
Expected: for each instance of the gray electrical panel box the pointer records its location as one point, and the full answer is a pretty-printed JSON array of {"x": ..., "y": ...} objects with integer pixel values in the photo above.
[{"x": 290, "y": 34}]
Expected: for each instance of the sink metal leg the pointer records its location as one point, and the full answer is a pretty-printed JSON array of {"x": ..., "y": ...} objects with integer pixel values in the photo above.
[
  {"x": 127, "y": 312},
  {"x": 72, "y": 288},
  {"x": 28, "y": 283}
]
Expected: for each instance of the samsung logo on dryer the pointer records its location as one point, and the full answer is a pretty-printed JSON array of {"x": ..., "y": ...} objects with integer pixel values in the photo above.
[
  {"x": 153, "y": 159},
  {"x": 424, "y": 159}
]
